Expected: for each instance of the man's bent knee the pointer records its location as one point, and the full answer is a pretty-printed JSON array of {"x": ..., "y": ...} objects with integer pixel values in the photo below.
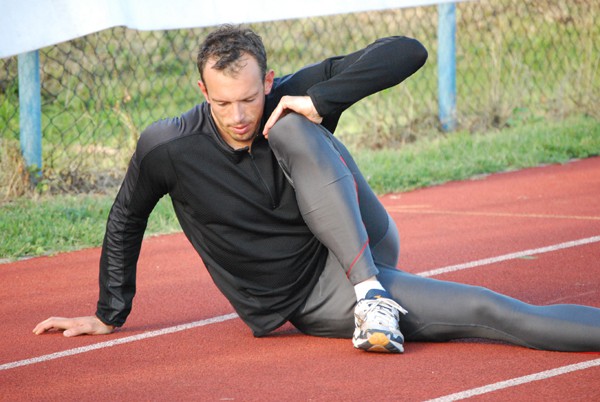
[
  {"x": 288, "y": 123},
  {"x": 294, "y": 132}
]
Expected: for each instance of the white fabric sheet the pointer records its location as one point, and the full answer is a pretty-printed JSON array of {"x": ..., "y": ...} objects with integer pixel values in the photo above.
[{"x": 27, "y": 25}]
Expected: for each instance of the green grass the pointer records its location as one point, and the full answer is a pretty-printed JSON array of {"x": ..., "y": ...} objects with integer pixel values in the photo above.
[
  {"x": 462, "y": 155},
  {"x": 47, "y": 225},
  {"x": 51, "y": 224}
]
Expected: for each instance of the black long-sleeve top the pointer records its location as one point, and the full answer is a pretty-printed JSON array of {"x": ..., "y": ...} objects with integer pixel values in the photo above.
[{"x": 235, "y": 206}]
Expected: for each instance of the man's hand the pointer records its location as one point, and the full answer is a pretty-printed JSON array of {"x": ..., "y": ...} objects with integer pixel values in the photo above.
[
  {"x": 300, "y": 104},
  {"x": 74, "y": 326}
]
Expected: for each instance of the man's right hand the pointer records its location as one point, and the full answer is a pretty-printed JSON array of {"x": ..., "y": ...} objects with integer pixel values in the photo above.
[{"x": 74, "y": 326}]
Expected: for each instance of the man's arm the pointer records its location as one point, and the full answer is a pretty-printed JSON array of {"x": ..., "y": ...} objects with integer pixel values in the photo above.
[
  {"x": 144, "y": 184},
  {"x": 148, "y": 178},
  {"x": 335, "y": 84},
  {"x": 381, "y": 65}
]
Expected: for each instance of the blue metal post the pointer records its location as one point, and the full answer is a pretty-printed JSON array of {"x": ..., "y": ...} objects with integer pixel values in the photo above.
[
  {"x": 30, "y": 111},
  {"x": 447, "y": 65}
]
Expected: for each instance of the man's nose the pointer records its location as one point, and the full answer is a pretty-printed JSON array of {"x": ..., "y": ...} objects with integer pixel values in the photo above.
[{"x": 238, "y": 112}]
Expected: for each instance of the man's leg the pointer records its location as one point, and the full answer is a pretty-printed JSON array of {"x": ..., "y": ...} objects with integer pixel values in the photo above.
[
  {"x": 326, "y": 192},
  {"x": 329, "y": 309},
  {"x": 384, "y": 239},
  {"x": 441, "y": 311},
  {"x": 330, "y": 199}
]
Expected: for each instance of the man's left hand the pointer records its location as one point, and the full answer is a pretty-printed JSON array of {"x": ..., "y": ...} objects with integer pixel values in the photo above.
[{"x": 300, "y": 104}]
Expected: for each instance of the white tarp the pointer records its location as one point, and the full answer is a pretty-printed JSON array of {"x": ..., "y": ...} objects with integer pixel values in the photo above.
[{"x": 27, "y": 25}]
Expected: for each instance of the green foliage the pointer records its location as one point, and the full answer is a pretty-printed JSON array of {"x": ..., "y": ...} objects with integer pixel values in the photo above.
[
  {"x": 463, "y": 155},
  {"x": 47, "y": 225}
]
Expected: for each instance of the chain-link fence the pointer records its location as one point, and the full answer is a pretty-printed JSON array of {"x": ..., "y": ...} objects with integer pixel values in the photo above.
[{"x": 516, "y": 61}]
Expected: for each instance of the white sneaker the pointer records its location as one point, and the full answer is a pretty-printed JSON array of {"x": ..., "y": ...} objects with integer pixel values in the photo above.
[{"x": 377, "y": 329}]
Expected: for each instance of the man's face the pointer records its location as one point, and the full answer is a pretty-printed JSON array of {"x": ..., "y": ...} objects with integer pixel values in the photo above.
[{"x": 237, "y": 100}]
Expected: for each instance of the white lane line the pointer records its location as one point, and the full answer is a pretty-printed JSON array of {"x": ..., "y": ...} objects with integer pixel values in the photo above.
[
  {"x": 517, "y": 381},
  {"x": 409, "y": 210},
  {"x": 120, "y": 341},
  {"x": 511, "y": 256}
]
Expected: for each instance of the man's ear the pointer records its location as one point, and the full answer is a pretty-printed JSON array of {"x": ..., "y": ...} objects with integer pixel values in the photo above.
[
  {"x": 269, "y": 77},
  {"x": 204, "y": 90}
]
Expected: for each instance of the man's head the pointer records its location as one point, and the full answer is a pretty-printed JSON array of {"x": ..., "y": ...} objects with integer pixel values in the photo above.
[
  {"x": 227, "y": 45},
  {"x": 234, "y": 79}
]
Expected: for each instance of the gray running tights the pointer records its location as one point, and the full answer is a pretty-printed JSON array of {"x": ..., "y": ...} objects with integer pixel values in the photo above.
[{"x": 342, "y": 211}]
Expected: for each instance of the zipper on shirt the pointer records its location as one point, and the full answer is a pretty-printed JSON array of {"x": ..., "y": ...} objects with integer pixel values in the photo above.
[{"x": 262, "y": 180}]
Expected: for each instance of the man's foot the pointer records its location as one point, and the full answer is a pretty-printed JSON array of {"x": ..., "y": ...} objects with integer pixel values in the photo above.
[{"x": 376, "y": 318}]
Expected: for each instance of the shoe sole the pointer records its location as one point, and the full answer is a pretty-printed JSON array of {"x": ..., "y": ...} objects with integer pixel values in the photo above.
[{"x": 379, "y": 342}]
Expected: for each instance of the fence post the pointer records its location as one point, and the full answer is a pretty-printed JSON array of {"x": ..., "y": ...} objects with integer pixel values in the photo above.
[
  {"x": 447, "y": 65},
  {"x": 30, "y": 112}
]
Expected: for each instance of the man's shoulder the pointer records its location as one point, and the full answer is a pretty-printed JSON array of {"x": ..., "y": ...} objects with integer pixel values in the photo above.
[{"x": 169, "y": 130}]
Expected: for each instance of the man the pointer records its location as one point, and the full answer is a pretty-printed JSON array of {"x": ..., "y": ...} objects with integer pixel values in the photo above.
[{"x": 286, "y": 224}]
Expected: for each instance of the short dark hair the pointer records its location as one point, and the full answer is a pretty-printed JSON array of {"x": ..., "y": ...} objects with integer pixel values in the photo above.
[{"x": 227, "y": 45}]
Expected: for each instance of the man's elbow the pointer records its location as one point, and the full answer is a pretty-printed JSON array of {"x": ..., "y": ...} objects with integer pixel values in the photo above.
[
  {"x": 421, "y": 53},
  {"x": 415, "y": 51}
]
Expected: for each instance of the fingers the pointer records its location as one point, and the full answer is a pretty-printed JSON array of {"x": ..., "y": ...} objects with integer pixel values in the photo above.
[
  {"x": 300, "y": 104},
  {"x": 74, "y": 326},
  {"x": 50, "y": 324},
  {"x": 276, "y": 115},
  {"x": 78, "y": 329}
]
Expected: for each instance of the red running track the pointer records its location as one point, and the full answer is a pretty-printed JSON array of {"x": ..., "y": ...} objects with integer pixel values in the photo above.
[{"x": 532, "y": 234}]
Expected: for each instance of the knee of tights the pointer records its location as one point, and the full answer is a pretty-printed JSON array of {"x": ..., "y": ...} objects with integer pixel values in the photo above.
[
  {"x": 292, "y": 133},
  {"x": 494, "y": 308}
]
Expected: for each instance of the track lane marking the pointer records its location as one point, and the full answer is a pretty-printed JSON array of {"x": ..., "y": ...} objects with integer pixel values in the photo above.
[
  {"x": 511, "y": 256},
  {"x": 120, "y": 341},
  {"x": 410, "y": 210},
  {"x": 542, "y": 375}
]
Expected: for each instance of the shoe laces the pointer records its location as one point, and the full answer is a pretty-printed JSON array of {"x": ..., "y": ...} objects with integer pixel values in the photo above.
[{"x": 382, "y": 310}]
